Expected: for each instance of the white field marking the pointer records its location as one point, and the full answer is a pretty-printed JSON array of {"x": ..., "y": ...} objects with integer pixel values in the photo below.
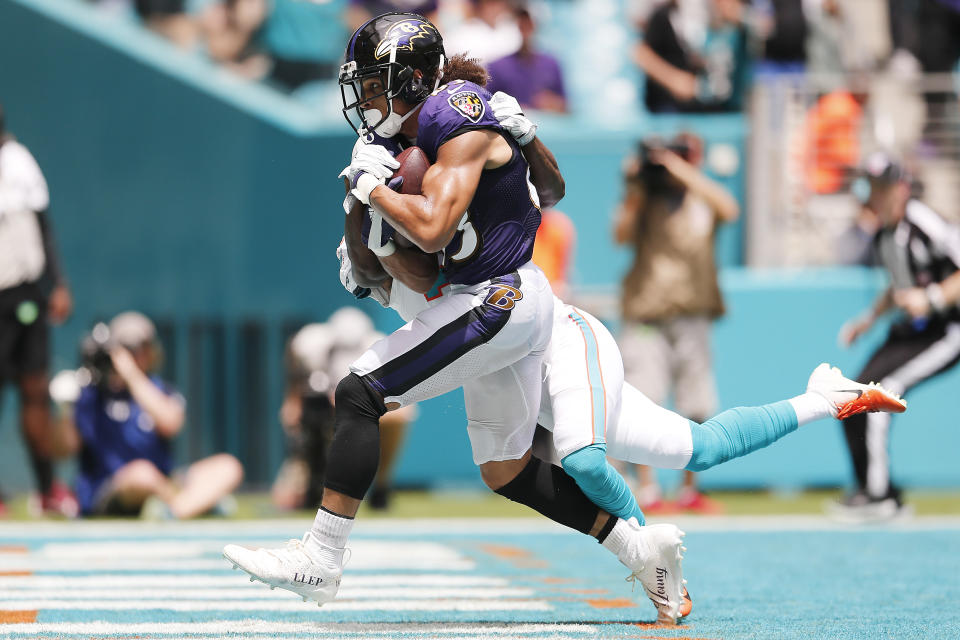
[
  {"x": 233, "y": 594},
  {"x": 150, "y": 554},
  {"x": 235, "y": 579},
  {"x": 87, "y": 565},
  {"x": 293, "y": 603},
  {"x": 316, "y": 629},
  {"x": 394, "y": 636},
  {"x": 277, "y": 530},
  {"x": 165, "y": 548}
]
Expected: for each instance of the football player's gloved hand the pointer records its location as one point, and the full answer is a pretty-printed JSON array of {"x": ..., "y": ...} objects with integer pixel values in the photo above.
[
  {"x": 508, "y": 113},
  {"x": 380, "y": 241},
  {"x": 372, "y": 165},
  {"x": 346, "y": 279},
  {"x": 377, "y": 233},
  {"x": 346, "y": 273}
]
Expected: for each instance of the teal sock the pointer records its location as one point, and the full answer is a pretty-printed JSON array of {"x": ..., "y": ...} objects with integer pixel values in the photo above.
[
  {"x": 600, "y": 482},
  {"x": 737, "y": 432}
]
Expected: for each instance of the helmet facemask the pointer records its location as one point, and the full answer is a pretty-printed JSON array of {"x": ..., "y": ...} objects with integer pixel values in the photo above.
[
  {"x": 391, "y": 47},
  {"x": 398, "y": 81}
]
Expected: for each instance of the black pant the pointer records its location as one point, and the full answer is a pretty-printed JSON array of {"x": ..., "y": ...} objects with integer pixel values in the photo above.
[{"x": 907, "y": 358}]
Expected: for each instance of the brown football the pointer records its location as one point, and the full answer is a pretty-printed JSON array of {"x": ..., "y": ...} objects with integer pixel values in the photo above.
[{"x": 413, "y": 164}]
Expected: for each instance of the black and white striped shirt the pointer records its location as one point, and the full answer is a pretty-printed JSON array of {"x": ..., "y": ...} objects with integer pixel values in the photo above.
[{"x": 922, "y": 249}]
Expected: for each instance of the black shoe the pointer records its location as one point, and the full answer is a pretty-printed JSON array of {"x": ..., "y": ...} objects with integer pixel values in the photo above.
[{"x": 859, "y": 507}]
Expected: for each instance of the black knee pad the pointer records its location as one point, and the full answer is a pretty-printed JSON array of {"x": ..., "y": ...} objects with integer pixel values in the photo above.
[{"x": 353, "y": 392}]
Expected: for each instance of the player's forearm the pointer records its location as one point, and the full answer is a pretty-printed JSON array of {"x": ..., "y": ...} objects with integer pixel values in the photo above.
[
  {"x": 428, "y": 222},
  {"x": 544, "y": 173},
  {"x": 414, "y": 268},
  {"x": 367, "y": 270}
]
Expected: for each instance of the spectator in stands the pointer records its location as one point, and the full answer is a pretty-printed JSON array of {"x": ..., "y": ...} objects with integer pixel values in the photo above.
[
  {"x": 33, "y": 293},
  {"x": 318, "y": 357},
  {"x": 122, "y": 421},
  {"x": 682, "y": 75},
  {"x": 669, "y": 216},
  {"x": 784, "y": 47},
  {"x": 831, "y": 139},
  {"x": 169, "y": 18},
  {"x": 533, "y": 77},
  {"x": 359, "y": 11},
  {"x": 489, "y": 32},
  {"x": 938, "y": 52},
  {"x": 921, "y": 253},
  {"x": 283, "y": 42},
  {"x": 231, "y": 31}
]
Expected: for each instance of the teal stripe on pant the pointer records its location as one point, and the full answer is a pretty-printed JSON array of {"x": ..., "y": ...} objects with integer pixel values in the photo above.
[{"x": 737, "y": 432}]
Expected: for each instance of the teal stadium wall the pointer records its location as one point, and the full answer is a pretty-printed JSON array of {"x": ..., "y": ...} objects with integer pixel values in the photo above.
[{"x": 213, "y": 205}]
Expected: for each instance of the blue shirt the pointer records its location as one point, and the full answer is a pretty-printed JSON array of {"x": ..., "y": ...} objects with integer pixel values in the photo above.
[{"x": 115, "y": 430}]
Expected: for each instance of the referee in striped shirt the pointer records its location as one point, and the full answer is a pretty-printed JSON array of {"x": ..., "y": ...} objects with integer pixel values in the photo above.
[{"x": 921, "y": 253}]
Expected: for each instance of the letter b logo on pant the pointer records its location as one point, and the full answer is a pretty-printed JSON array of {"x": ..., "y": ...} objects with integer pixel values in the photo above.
[{"x": 503, "y": 297}]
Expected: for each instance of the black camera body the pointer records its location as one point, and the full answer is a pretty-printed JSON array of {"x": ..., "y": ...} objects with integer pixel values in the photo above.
[
  {"x": 652, "y": 173},
  {"x": 95, "y": 354}
]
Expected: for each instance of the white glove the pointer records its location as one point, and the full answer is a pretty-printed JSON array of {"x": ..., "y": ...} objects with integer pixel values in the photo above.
[
  {"x": 508, "y": 113},
  {"x": 372, "y": 165},
  {"x": 346, "y": 279}
]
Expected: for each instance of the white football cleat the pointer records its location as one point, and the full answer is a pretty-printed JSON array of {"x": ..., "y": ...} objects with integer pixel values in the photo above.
[
  {"x": 850, "y": 397},
  {"x": 292, "y": 568},
  {"x": 654, "y": 553}
]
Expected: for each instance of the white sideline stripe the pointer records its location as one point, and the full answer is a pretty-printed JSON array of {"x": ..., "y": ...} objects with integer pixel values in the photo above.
[
  {"x": 28, "y": 562},
  {"x": 235, "y": 580},
  {"x": 184, "y": 549},
  {"x": 272, "y": 629},
  {"x": 233, "y": 594},
  {"x": 337, "y": 635},
  {"x": 292, "y": 604}
]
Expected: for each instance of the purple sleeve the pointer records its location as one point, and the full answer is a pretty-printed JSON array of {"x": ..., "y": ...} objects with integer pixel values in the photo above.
[{"x": 455, "y": 108}]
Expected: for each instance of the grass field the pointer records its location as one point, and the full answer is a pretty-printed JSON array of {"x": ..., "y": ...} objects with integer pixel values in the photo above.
[{"x": 477, "y": 575}]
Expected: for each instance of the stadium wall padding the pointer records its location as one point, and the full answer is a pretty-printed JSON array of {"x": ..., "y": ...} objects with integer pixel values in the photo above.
[{"x": 214, "y": 206}]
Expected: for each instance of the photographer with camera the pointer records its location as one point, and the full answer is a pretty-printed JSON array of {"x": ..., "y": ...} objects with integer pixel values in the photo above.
[
  {"x": 669, "y": 216},
  {"x": 318, "y": 356},
  {"x": 121, "y": 417}
]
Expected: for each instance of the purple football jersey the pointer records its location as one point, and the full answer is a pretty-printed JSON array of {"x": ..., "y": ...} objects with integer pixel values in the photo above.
[{"x": 497, "y": 231}]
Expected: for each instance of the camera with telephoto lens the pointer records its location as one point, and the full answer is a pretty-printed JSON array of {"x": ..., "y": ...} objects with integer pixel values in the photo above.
[{"x": 95, "y": 354}]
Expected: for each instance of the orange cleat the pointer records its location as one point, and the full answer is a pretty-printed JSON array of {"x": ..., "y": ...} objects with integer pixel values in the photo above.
[
  {"x": 696, "y": 502},
  {"x": 687, "y": 605},
  {"x": 851, "y": 398}
]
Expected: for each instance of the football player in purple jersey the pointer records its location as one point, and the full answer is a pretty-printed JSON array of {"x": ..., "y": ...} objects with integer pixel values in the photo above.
[{"x": 477, "y": 215}]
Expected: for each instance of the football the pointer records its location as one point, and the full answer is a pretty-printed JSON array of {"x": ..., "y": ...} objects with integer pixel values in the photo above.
[{"x": 413, "y": 164}]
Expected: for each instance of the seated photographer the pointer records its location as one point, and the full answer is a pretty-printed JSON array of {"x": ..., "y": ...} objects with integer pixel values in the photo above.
[
  {"x": 318, "y": 356},
  {"x": 121, "y": 421}
]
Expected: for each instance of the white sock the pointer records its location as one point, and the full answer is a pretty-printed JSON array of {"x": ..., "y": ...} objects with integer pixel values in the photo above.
[
  {"x": 617, "y": 537},
  {"x": 328, "y": 536},
  {"x": 812, "y": 406}
]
